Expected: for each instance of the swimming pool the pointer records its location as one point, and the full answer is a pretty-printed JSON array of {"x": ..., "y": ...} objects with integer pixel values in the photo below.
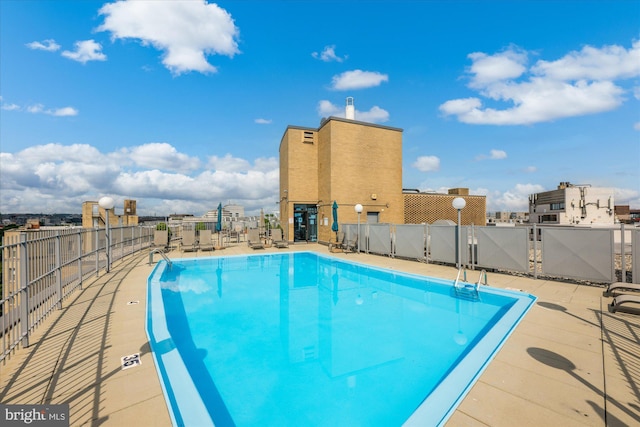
[{"x": 306, "y": 339}]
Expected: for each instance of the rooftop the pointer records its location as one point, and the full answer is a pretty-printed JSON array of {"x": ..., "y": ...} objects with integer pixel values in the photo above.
[{"x": 569, "y": 362}]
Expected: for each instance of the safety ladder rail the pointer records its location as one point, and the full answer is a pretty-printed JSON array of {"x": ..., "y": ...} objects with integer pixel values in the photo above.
[
  {"x": 161, "y": 252},
  {"x": 457, "y": 281},
  {"x": 483, "y": 273}
]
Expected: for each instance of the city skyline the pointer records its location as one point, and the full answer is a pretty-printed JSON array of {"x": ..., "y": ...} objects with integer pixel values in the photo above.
[{"x": 182, "y": 105}]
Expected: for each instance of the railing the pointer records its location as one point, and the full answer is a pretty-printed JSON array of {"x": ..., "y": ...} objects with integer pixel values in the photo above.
[
  {"x": 596, "y": 255},
  {"x": 42, "y": 268}
]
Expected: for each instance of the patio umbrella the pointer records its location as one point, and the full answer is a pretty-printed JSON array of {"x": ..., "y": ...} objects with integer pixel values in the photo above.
[
  {"x": 219, "y": 222},
  {"x": 334, "y": 226}
]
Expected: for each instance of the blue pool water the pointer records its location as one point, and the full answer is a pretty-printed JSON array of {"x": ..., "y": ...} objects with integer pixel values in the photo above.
[{"x": 293, "y": 339}]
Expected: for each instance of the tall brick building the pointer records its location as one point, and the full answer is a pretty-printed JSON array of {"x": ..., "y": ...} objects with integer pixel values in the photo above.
[{"x": 346, "y": 161}]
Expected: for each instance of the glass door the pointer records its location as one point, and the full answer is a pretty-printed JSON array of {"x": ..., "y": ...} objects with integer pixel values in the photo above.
[{"x": 305, "y": 224}]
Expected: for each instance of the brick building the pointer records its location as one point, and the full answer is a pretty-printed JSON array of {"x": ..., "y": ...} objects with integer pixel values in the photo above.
[
  {"x": 430, "y": 207},
  {"x": 352, "y": 162}
]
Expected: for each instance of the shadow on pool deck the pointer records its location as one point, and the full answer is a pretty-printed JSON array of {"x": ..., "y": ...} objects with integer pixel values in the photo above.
[{"x": 569, "y": 362}]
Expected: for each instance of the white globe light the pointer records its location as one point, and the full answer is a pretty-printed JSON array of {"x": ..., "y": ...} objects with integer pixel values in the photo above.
[
  {"x": 358, "y": 208},
  {"x": 459, "y": 203},
  {"x": 106, "y": 203}
]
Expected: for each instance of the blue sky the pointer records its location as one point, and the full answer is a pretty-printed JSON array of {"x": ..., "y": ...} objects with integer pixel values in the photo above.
[{"x": 182, "y": 105}]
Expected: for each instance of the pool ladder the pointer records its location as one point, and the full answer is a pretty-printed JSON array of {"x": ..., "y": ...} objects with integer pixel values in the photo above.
[
  {"x": 161, "y": 252},
  {"x": 469, "y": 290}
]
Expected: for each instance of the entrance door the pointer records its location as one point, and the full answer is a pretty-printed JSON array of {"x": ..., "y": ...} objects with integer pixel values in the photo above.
[{"x": 305, "y": 224}]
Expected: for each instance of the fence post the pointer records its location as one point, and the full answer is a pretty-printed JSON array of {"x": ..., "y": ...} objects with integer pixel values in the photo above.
[
  {"x": 58, "y": 269},
  {"x": 24, "y": 291},
  {"x": 80, "y": 234},
  {"x": 622, "y": 255},
  {"x": 535, "y": 251},
  {"x": 97, "y": 254}
]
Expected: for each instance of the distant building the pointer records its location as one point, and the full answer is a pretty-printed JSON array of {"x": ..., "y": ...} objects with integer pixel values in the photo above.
[
  {"x": 93, "y": 216},
  {"x": 627, "y": 215},
  {"x": 507, "y": 217},
  {"x": 572, "y": 204},
  {"x": 430, "y": 207}
]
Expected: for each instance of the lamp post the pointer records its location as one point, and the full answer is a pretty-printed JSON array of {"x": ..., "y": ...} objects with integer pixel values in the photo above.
[
  {"x": 358, "y": 209},
  {"x": 107, "y": 204},
  {"x": 458, "y": 203}
]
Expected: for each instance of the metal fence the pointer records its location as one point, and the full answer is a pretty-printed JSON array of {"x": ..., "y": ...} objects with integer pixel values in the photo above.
[
  {"x": 599, "y": 255},
  {"x": 40, "y": 269}
]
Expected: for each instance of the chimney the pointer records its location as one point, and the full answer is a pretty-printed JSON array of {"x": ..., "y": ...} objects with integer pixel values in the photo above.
[{"x": 350, "y": 112}]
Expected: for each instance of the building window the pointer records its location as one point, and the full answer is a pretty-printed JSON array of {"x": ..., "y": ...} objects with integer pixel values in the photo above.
[
  {"x": 557, "y": 206},
  {"x": 549, "y": 218}
]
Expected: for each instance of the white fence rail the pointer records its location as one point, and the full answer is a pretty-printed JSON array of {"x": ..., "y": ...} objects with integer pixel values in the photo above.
[{"x": 40, "y": 269}]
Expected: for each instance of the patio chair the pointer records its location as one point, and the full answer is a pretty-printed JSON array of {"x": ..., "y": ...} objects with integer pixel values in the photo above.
[
  {"x": 278, "y": 241},
  {"x": 189, "y": 243},
  {"x": 624, "y": 303},
  {"x": 205, "y": 243},
  {"x": 351, "y": 244},
  {"x": 613, "y": 287},
  {"x": 253, "y": 239}
]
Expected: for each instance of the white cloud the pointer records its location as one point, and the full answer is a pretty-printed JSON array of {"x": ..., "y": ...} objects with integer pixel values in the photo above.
[
  {"x": 186, "y": 31},
  {"x": 39, "y": 109},
  {"x": 607, "y": 63},
  {"x": 487, "y": 69},
  {"x": 328, "y": 55},
  {"x": 493, "y": 155},
  {"x": 58, "y": 178},
  {"x": 427, "y": 163},
  {"x": 577, "y": 84},
  {"x": 625, "y": 196},
  {"x": 262, "y": 121},
  {"x": 498, "y": 154},
  {"x": 358, "y": 79},
  {"x": 160, "y": 155},
  {"x": 374, "y": 115},
  {"x": 86, "y": 50},
  {"x": 63, "y": 112},
  {"x": 49, "y": 45},
  {"x": 530, "y": 169},
  {"x": 10, "y": 107},
  {"x": 513, "y": 200}
]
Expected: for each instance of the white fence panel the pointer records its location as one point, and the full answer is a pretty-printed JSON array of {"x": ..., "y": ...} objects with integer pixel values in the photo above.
[
  {"x": 585, "y": 254},
  {"x": 442, "y": 243},
  {"x": 503, "y": 248},
  {"x": 410, "y": 241},
  {"x": 379, "y": 239}
]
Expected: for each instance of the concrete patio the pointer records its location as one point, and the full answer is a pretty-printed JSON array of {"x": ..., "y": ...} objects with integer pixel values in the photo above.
[{"x": 569, "y": 363}]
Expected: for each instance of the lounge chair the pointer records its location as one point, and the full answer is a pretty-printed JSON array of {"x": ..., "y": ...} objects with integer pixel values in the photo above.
[
  {"x": 350, "y": 244},
  {"x": 253, "y": 239},
  {"x": 624, "y": 303},
  {"x": 189, "y": 243},
  {"x": 611, "y": 290},
  {"x": 204, "y": 240},
  {"x": 278, "y": 241}
]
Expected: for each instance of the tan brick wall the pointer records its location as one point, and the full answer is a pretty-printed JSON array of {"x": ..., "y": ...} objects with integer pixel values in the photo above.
[
  {"x": 298, "y": 173},
  {"x": 350, "y": 162},
  {"x": 357, "y": 161},
  {"x": 427, "y": 208}
]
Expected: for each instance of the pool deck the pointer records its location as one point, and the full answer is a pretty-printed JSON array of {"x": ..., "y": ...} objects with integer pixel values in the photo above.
[{"x": 569, "y": 363}]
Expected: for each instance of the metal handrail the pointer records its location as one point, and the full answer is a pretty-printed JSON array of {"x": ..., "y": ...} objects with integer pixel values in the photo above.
[
  {"x": 483, "y": 272},
  {"x": 164, "y": 256}
]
